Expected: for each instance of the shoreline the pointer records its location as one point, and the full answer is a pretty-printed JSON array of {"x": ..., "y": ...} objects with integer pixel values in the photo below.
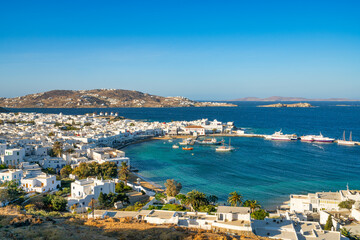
[{"x": 161, "y": 188}]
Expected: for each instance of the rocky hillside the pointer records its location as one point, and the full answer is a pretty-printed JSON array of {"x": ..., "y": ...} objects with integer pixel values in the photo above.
[
  {"x": 281, "y": 105},
  {"x": 99, "y": 98}
]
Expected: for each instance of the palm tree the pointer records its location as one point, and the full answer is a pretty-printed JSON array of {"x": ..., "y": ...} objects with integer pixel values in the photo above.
[
  {"x": 92, "y": 205},
  {"x": 124, "y": 172},
  {"x": 196, "y": 199},
  {"x": 252, "y": 204},
  {"x": 346, "y": 233},
  {"x": 235, "y": 199}
]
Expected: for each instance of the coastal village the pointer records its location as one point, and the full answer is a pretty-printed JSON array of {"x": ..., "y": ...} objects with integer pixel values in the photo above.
[{"x": 74, "y": 164}]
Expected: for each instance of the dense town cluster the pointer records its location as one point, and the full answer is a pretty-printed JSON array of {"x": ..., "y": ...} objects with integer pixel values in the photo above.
[{"x": 73, "y": 161}]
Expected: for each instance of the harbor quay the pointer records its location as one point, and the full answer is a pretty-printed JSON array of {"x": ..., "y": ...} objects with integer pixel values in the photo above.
[{"x": 79, "y": 158}]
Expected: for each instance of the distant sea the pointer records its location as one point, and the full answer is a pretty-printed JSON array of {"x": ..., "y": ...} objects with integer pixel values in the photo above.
[{"x": 259, "y": 169}]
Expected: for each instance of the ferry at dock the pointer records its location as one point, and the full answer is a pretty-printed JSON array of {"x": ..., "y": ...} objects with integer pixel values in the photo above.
[{"x": 279, "y": 136}]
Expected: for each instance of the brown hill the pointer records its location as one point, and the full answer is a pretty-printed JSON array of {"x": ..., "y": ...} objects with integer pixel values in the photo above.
[
  {"x": 99, "y": 98},
  {"x": 17, "y": 225}
]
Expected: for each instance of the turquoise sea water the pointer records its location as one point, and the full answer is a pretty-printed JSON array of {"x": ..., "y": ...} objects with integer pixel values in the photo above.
[{"x": 259, "y": 169}]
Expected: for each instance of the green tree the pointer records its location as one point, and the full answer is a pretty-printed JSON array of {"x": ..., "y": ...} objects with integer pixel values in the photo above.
[
  {"x": 347, "y": 204},
  {"x": 4, "y": 196},
  {"x": 172, "y": 187},
  {"x": 252, "y": 204},
  {"x": 124, "y": 172},
  {"x": 66, "y": 171},
  {"x": 329, "y": 223},
  {"x": 235, "y": 199},
  {"x": 181, "y": 198},
  {"x": 160, "y": 196},
  {"x": 58, "y": 203},
  {"x": 108, "y": 170},
  {"x": 13, "y": 190},
  {"x": 196, "y": 199},
  {"x": 259, "y": 214},
  {"x": 212, "y": 199}
]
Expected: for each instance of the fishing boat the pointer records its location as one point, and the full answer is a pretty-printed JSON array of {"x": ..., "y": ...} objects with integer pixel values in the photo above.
[
  {"x": 175, "y": 146},
  {"x": 225, "y": 148},
  {"x": 279, "y": 136},
  {"x": 188, "y": 148},
  {"x": 345, "y": 142},
  {"x": 209, "y": 141}
]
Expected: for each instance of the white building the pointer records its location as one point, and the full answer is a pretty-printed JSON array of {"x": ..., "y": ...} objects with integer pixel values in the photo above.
[
  {"x": 107, "y": 154},
  {"x": 82, "y": 191},
  {"x": 232, "y": 219},
  {"x": 313, "y": 202},
  {"x": 13, "y": 157},
  {"x": 36, "y": 181},
  {"x": 55, "y": 163},
  {"x": 10, "y": 175},
  {"x": 293, "y": 230}
]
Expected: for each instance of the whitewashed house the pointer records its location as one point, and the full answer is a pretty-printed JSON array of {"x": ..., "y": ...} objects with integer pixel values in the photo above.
[
  {"x": 11, "y": 175},
  {"x": 236, "y": 219},
  {"x": 36, "y": 181},
  {"x": 13, "y": 157},
  {"x": 82, "y": 191}
]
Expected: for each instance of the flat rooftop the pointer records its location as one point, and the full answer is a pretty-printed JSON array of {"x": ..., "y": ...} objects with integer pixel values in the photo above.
[
  {"x": 161, "y": 214},
  {"x": 228, "y": 209}
]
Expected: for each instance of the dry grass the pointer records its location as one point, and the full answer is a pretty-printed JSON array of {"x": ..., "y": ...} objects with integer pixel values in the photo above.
[{"x": 102, "y": 229}]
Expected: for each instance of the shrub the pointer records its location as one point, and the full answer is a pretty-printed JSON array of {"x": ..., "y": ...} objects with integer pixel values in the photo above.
[{"x": 260, "y": 214}]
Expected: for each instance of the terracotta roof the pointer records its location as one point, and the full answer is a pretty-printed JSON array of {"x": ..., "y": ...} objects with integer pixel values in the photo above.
[{"x": 192, "y": 126}]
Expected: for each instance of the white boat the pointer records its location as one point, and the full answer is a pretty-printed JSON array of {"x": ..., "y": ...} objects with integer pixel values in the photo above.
[
  {"x": 307, "y": 138},
  {"x": 321, "y": 138},
  {"x": 175, "y": 146},
  {"x": 185, "y": 141},
  {"x": 279, "y": 136},
  {"x": 209, "y": 141},
  {"x": 225, "y": 148},
  {"x": 345, "y": 142}
]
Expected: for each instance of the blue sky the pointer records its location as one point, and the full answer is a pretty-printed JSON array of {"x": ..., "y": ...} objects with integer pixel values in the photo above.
[{"x": 212, "y": 50}]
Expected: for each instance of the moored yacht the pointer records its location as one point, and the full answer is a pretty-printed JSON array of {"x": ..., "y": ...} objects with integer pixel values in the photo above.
[
  {"x": 209, "y": 141},
  {"x": 279, "y": 136},
  {"x": 225, "y": 148}
]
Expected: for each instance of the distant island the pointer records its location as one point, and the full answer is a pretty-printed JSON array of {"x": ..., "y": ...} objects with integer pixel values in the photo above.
[
  {"x": 293, "y": 105},
  {"x": 291, "y": 99},
  {"x": 102, "y": 98}
]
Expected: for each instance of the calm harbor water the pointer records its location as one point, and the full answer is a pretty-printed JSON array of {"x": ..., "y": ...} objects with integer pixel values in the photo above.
[{"x": 259, "y": 169}]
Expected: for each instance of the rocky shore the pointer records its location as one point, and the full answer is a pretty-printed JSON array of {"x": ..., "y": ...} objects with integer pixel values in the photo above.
[{"x": 292, "y": 105}]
